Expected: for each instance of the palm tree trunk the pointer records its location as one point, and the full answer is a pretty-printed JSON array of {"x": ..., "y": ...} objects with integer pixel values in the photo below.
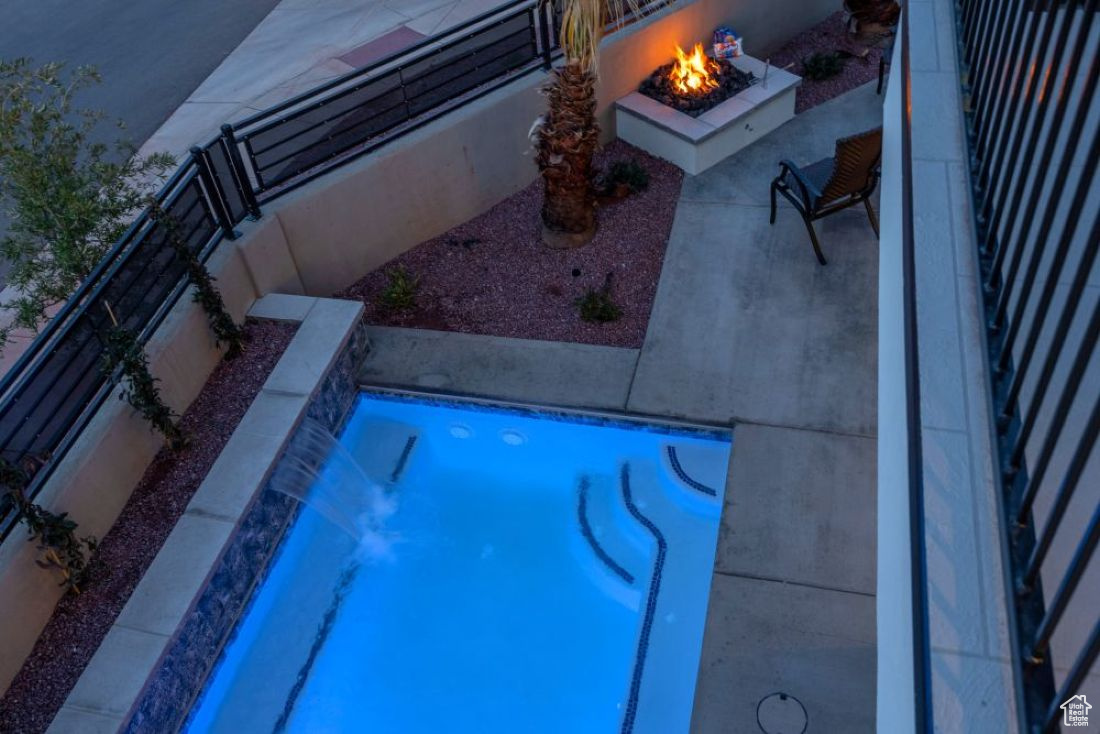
[{"x": 567, "y": 140}]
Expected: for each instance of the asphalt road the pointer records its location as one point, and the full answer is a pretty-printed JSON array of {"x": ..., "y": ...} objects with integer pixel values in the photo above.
[{"x": 152, "y": 54}]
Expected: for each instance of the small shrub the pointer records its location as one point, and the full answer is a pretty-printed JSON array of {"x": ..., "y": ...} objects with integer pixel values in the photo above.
[
  {"x": 55, "y": 534},
  {"x": 821, "y": 66},
  {"x": 596, "y": 305},
  {"x": 122, "y": 350},
  {"x": 400, "y": 291},
  {"x": 628, "y": 173}
]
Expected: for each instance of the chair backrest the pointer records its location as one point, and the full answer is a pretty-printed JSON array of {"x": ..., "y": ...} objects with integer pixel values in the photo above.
[{"x": 854, "y": 165}]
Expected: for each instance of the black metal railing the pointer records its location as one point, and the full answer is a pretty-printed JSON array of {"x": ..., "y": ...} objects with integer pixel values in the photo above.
[
  {"x": 918, "y": 552},
  {"x": 54, "y": 388},
  {"x": 1030, "y": 75},
  {"x": 56, "y": 385}
]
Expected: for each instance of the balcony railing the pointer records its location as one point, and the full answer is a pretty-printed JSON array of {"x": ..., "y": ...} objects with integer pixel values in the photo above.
[{"x": 1030, "y": 71}]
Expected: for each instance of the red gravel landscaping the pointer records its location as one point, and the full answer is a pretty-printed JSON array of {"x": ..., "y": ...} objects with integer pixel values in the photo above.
[
  {"x": 80, "y": 623},
  {"x": 493, "y": 275},
  {"x": 826, "y": 37}
]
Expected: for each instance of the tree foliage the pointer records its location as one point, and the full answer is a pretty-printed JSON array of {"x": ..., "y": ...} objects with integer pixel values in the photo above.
[{"x": 68, "y": 196}]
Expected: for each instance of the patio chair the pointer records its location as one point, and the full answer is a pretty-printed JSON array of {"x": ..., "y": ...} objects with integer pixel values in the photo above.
[{"x": 832, "y": 184}]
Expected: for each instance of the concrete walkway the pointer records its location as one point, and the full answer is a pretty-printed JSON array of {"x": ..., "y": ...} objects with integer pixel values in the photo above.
[{"x": 746, "y": 329}]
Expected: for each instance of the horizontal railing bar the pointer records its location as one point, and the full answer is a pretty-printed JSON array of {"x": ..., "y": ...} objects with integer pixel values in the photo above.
[
  {"x": 48, "y": 391},
  {"x": 100, "y": 286},
  {"x": 395, "y": 71},
  {"x": 399, "y": 124},
  {"x": 386, "y": 61},
  {"x": 47, "y": 333},
  {"x": 282, "y": 188},
  {"x": 358, "y": 108}
]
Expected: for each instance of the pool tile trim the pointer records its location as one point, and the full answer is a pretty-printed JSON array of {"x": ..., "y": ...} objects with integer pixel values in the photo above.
[
  {"x": 586, "y": 531},
  {"x": 650, "y": 605},
  {"x": 629, "y": 421},
  {"x": 674, "y": 460}
]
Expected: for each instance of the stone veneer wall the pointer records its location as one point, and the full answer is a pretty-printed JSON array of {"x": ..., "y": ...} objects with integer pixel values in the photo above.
[
  {"x": 230, "y": 524},
  {"x": 197, "y": 644}
]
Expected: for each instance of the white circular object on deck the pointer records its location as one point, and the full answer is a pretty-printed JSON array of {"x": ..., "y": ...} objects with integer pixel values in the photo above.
[{"x": 460, "y": 431}]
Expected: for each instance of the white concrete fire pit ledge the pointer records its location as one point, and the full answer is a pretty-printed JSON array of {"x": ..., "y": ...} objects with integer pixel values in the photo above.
[{"x": 697, "y": 143}]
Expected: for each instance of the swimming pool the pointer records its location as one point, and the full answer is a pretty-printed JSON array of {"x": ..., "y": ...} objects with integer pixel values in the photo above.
[{"x": 520, "y": 571}]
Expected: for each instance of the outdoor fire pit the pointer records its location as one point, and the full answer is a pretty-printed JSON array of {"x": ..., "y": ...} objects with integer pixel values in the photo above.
[
  {"x": 696, "y": 110},
  {"x": 694, "y": 83}
]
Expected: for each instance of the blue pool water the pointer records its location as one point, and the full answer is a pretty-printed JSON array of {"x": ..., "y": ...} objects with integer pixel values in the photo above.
[{"x": 528, "y": 572}]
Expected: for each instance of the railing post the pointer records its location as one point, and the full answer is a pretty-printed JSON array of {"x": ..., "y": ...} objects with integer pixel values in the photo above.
[
  {"x": 544, "y": 18},
  {"x": 248, "y": 194},
  {"x": 214, "y": 191}
]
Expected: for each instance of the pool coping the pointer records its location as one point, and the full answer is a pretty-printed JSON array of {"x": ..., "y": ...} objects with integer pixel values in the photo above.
[
  {"x": 622, "y": 419},
  {"x": 314, "y": 376}
]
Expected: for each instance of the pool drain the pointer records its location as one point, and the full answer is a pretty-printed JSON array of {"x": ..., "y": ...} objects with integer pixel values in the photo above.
[{"x": 781, "y": 713}]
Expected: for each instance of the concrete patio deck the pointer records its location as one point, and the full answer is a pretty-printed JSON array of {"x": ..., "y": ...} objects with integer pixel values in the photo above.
[{"x": 747, "y": 329}]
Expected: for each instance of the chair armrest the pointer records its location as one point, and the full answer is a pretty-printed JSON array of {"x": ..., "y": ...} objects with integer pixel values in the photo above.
[{"x": 807, "y": 189}]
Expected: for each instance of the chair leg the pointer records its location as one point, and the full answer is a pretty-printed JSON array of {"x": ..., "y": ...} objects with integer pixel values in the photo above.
[
  {"x": 871, "y": 215},
  {"x": 772, "y": 220},
  {"x": 813, "y": 240}
]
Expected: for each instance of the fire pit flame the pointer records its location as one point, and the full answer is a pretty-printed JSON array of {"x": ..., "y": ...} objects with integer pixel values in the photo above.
[
  {"x": 694, "y": 73},
  {"x": 694, "y": 83}
]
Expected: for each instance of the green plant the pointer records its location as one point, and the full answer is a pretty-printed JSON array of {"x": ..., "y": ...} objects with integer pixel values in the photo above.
[
  {"x": 596, "y": 305},
  {"x": 206, "y": 295},
  {"x": 68, "y": 198},
  {"x": 400, "y": 291},
  {"x": 55, "y": 534},
  {"x": 122, "y": 351},
  {"x": 628, "y": 173},
  {"x": 822, "y": 65}
]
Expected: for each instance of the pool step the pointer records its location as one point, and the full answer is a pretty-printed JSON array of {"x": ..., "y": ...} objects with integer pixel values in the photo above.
[
  {"x": 693, "y": 475},
  {"x": 676, "y": 586},
  {"x": 608, "y": 542}
]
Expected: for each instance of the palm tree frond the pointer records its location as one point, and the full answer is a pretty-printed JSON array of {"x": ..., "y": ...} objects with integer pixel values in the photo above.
[{"x": 583, "y": 23}]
